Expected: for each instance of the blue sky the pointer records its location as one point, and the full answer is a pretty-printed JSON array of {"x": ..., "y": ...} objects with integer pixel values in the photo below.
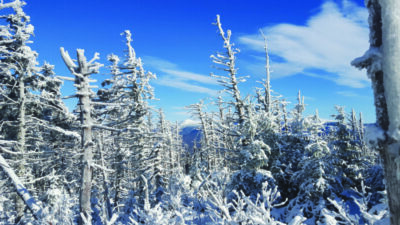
[{"x": 311, "y": 45}]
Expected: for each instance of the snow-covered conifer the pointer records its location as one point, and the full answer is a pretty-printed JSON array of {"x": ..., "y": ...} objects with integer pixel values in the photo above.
[
  {"x": 124, "y": 106},
  {"x": 297, "y": 124},
  {"x": 206, "y": 147},
  {"x": 32, "y": 113}
]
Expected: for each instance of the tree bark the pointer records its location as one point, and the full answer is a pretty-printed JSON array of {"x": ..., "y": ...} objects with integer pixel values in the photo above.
[
  {"x": 382, "y": 63},
  {"x": 87, "y": 142},
  {"x": 82, "y": 71},
  {"x": 391, "y": 70},
  {"x": 21, "y": 136}
]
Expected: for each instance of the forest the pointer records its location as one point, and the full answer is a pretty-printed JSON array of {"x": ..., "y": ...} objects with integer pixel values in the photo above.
[{"x": 115, "y": 159}]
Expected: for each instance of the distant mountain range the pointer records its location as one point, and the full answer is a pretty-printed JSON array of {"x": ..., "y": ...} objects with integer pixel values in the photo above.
[{"x": 191, "y": 134}]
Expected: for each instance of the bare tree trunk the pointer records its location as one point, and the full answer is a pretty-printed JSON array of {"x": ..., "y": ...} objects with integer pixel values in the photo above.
[
  {"x": 382, "y": 63},
  {"x": 106, "y": 184},
  {"x": 120, "y": 173},
  {"x": 391, "y": 71},
  {"x": 82, "y": 71},
  {"x": 87, "y": 142},
  {"x": 19, "y": 204}
]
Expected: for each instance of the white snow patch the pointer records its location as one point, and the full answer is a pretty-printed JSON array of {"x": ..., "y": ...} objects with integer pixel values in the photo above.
[{"x": 372, "y": 60}]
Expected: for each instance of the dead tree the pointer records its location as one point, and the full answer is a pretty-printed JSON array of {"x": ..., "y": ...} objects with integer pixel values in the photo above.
[
  {"x": 267, "y": 86},
  {"x": 82, "y": 73},
  {"x": 227, "y": 61}
]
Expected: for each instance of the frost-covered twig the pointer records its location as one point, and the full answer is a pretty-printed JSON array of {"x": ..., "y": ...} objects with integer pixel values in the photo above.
[
  {"x": 10, "y": 152},
  {"x": 342, "y": 213},
  {"x": 102, "y": 168},
  {"x": 57, "y": 129}
]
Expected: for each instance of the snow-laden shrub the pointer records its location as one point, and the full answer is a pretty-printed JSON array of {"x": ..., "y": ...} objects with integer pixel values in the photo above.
[
  {"x": 243, "y": 209},
  {"x": 254, "y": 156},
  {"x": 60, "y": 207},
  {"x": 152, "y": 216},
  {"x": 355, "y": 210},
  {"x": 250, "y": 182}
]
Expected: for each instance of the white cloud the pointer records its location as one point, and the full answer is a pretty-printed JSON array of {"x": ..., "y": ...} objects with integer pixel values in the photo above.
[
  {"x": 189, "y": 76},
  {"x": 156, "y": 62},
  {"x": 350, "y": 94},
  {"x": 324, "y": 47},
  {"x": 185, "y": 86},
  {"x": 172, "y": 76}
]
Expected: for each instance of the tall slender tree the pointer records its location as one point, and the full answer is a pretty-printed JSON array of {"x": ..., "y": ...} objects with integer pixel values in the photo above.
[
  {"x": 82, "y": 72},
  {"x": 228, "y": 62},
  {"x": 267, "y": 85},
  {"x": 198, "y": 111}
]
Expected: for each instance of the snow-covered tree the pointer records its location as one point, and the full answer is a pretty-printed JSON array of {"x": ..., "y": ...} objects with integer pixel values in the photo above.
[
  {"x": 266, "y": 100},
  {"x": 18, "y": 67},
  {"x": 314, "y": 181},
  {"x": 32, "y": 112},
  {"x": 124, "y": 106},
  {"x": 227, "y": 61},
  {"x": 163, "y": 159},
  {"x": 82, "y": 72},
  {"x": 297, "y": 124},
  {"x": 347, "y": 151},
  {"x": 205, "y": 155}
]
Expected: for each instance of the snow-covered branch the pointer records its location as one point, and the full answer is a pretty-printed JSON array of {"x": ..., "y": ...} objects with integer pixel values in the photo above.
[
  {"x": 22, "y": 191},
  {"x": 68, "y": 61}
]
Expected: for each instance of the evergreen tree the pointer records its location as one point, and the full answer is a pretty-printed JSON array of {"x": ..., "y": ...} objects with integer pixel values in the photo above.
[
  {"x": 206, "y": 147},
  {"x": 124, "y": 106},
  {"x": 32, "y": 113}
]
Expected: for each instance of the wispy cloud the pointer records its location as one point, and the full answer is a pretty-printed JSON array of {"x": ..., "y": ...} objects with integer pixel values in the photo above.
[
  {"x": 185, "y": 86},
  {"x": 189, "y": 76},
  {"x": 156, "y": 62},
  {"x": 324, "y": 47},
  {"x": 172, "y": 76},
  {"x": 350, "y": 94}
]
